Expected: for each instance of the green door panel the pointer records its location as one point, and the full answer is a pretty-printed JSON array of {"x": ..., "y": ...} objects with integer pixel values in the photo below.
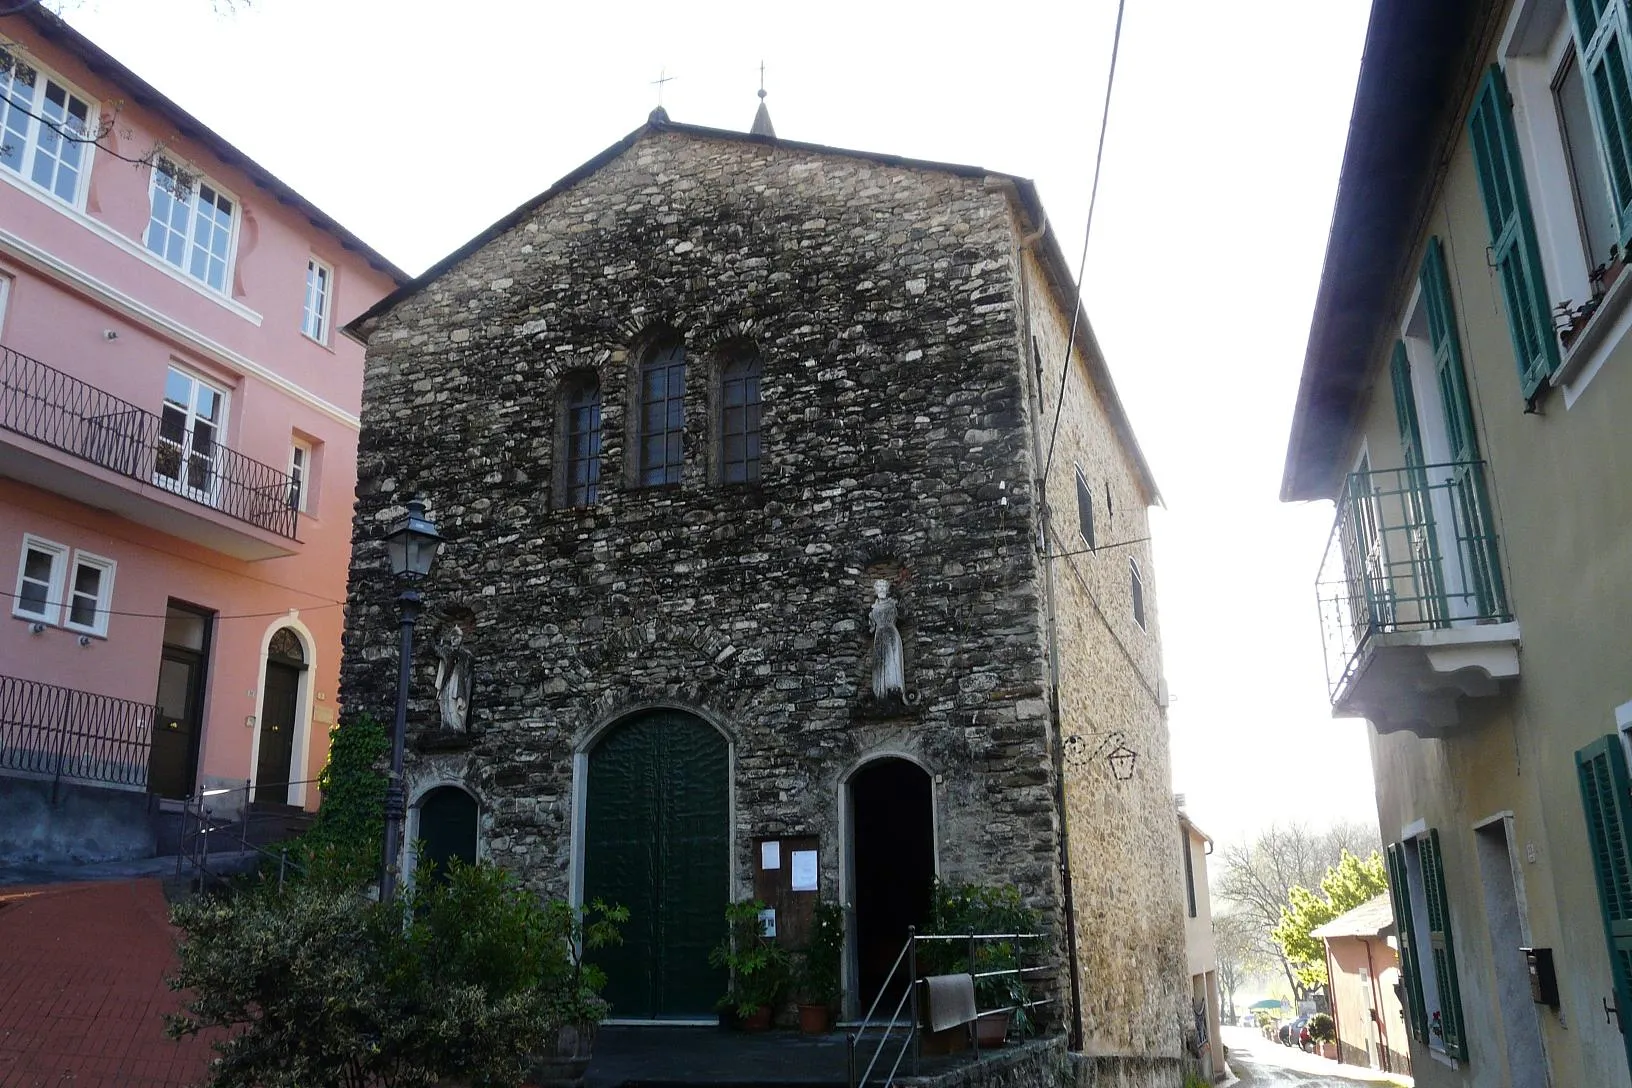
[
  {"x": 656, "y": 840},
  {"x": 447, "y": 829}
]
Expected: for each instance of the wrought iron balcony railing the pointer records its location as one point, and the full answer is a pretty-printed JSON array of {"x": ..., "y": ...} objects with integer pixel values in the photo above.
[
  {"x": 67, "y": 734},
  {"x": 60, "y": 411},
  {"x": 1413, "y": 549}
]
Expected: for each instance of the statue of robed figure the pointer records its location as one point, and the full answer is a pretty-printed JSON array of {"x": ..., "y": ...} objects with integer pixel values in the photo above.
[
  {"x": 453, "y": 680},
  {"x": 889, "y": 668}
]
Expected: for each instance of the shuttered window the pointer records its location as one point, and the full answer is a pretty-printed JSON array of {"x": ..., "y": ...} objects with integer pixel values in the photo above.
[
  {"x": 1423, "y": 541},
  {"x": 1442, "y": 947},
  {"x": 1399, "y": 888},
  {"x": 1601, "y": 37},
  {"x": 1605, "y": 799},
  {"x": 1514, "y": 251}
]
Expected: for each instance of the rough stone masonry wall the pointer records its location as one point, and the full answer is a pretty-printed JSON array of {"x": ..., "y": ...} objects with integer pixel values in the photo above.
[
  {"x": 1124, "y": 835},
  {"x": 881, "y": 300}
]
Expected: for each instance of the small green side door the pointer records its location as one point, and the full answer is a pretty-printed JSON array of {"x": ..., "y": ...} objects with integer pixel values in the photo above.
[{"x": 656, "y": 840}]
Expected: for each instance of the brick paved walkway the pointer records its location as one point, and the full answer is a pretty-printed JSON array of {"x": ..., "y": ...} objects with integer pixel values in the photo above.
[{"x": 82, "y": 989}]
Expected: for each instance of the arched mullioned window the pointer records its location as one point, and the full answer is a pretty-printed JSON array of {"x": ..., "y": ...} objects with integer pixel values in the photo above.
[
  {"x": 739, "y": 417},
  {"x": 661, "y": 424},
  {"x": 581, "y": 439}
]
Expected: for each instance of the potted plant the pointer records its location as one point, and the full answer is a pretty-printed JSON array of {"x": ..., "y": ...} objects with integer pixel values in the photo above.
[
  {"x": 1323, "y": 1030},
  {"x": 819, "y": 975},
  {"x": 984, "y": 909},
  {"x": 573, "y": 990},
  {"x": 759, "y": 967}
]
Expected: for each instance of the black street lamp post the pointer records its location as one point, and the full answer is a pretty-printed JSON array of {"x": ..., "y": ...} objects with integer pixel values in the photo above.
[{"x": 411, "y": 545}]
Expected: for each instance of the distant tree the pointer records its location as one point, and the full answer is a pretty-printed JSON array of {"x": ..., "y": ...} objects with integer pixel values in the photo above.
[
  {"x": 1257, "y": 877},
  {"x": 1346, "y": 885},
  {"x": 1242, "y": 954}
]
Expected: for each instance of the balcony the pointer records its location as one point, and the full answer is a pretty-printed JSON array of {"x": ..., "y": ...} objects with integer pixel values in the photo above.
[
  {"x": 70, "y": 437},
  {"x": 1413, "y": 609},
  {"x": 63, "y": 734}
]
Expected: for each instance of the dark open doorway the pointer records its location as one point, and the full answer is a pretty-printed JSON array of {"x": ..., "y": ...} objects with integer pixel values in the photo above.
[
  {"x": 172, "y": 769},
  {"x": 892, "y": 840}
]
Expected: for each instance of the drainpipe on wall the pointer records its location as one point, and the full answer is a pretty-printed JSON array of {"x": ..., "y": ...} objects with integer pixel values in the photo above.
[{"x": 1034, "y": 380}]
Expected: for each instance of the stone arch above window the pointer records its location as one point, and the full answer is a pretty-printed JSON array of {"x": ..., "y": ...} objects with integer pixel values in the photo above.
[
  {"x": 660, "y": 412},
  {"x": 579, "y": 467},
  {"x": 737, "y": 426}
]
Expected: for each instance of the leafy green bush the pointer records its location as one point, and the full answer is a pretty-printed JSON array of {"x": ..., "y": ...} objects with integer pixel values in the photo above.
[
  {"x": 982, "y": 909},
  {"x": 343, "y": 845},
  {"x": 317, "y": 985},
  {"x": 1322, "y": 1028},
  {"x": 760, "y": 968},
  {"x": 819, "y": 976}
]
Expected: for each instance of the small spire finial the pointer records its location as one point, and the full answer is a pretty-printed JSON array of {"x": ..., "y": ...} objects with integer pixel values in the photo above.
[
  {"x": 662, "y": 78},
  {"x": 762, "y": 118}
]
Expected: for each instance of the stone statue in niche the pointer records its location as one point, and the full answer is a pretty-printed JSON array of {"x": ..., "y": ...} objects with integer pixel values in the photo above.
[
  {"x": 454, "y": 666},
  {"x": 889, "y": 664}
]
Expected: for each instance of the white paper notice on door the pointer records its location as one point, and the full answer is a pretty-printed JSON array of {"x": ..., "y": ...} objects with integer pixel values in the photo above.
[
  {"x": 770, "y": 855},
  {"x": 804, "y": 870},
  {"x": 767, "y": 922}
]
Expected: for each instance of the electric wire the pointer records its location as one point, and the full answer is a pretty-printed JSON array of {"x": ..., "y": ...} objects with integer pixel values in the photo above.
[{"x": 1087, "y": 232}]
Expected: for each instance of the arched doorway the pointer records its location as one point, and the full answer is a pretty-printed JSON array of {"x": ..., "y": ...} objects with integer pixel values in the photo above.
[
  {"x": 446, "y": 830},
  {"x": 657, "y": 841},
  {"x": 892, "y": 859},
  {"x": 280, "y": 716}
]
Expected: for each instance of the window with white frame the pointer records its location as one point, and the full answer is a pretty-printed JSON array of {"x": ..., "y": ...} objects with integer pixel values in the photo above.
[
  {"x": 45, "y": 128},
  {"x": 300, "y": 474},
  {"x": 1568, "y": 72},
  {"x": 190, "y": 427},
  {"x": 314, "y": 317},
  {"x": 191, "y": 224},
  {"x": 40, "y": 572},
  {"x": 90, "y": 593},
  {"x": 5, "y": 297}
]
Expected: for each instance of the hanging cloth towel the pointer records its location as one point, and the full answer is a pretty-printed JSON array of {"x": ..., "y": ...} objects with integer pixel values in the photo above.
[{"x": 951, "y": 1000}]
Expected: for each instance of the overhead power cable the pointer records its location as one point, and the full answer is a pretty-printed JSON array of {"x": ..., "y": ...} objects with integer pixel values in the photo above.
[{"x": 1087, "y": 232}]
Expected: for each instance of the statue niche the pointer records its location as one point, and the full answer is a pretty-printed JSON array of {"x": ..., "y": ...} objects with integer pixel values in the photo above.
[
  {"x": 454, "y": 684},
  {"x": 884, "y": 693}
]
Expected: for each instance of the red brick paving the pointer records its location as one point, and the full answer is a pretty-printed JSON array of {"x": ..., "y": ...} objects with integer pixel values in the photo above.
[{"x": 82, "y": 992}]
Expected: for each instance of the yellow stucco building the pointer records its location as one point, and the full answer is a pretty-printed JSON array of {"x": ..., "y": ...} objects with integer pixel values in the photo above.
[{"x": 1461, "y": 403}]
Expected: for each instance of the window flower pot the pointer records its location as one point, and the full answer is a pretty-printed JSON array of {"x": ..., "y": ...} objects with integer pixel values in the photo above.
[{"x": 992, "y": 1029}]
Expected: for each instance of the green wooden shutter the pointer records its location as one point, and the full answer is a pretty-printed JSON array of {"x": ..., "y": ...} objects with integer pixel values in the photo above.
[
  {"x": 1460, "y": 434},
  {"x": 1442, "y": 947},
  {"x": 1399, "y": 888},
  {"x": 1427, "y": 590},
  {"x": 1601, "y": 35},
  {"x": 1606, "y": 795},
  {"x": 1512, "y": 233},
  {"x": 1405, "y": 406}
]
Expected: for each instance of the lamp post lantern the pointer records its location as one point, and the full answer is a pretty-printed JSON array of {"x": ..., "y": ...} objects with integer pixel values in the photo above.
[{"x": 411, "y": 545}]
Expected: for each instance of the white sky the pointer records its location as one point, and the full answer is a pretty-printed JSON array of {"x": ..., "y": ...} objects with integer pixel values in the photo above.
[{"x": 416, "y": 124}]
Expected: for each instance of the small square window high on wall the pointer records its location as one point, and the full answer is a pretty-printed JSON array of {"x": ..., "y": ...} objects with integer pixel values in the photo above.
[
  {"x": 314, "y": 317},
  {"x": 1137, "y": 588},
  {"x": 303, "y": 475}
]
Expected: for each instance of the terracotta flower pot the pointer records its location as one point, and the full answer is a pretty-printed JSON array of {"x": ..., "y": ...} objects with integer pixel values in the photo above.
[
  {"x": 758, "y": 1020},
  {"x": 992, "y": 1029},
  {"x": 813, "y": 1019}
]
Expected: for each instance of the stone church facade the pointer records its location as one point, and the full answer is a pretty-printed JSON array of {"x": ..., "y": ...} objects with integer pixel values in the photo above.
[{"x": 684, "y": 420}]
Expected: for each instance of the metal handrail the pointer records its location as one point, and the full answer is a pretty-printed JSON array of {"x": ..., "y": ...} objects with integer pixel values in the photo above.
[
  {"x": 205, "y": 825},
  {"x": 1411, "y": 548},
  {"x": 59, "y": 410},
  {"x": 912, "y": 1043},
  {"x": 70, "y": 734}
]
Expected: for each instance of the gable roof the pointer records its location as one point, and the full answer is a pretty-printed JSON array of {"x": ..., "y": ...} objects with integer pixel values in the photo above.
[
  {"x": 1023, "y": 191},
  {"x": 1373, "y": 918},
  {"x": 57, "y": 31},
  {"x": 1419, "y": 63}
]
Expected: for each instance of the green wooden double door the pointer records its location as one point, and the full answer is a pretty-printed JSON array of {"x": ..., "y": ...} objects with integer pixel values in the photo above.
[{"x": 657, "y": 841}]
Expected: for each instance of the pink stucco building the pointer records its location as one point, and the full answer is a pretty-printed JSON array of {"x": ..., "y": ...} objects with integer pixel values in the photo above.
[{"x": 178, "y": 440}]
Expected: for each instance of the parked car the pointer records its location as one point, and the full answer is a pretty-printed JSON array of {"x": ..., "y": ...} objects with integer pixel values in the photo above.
[
  {"x": 1295, "y": 1033},
  {"x": 1305, "y": 1042}
]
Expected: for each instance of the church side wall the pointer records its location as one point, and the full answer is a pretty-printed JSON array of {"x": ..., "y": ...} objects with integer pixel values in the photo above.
[
  {"x": 1124, "y": 843},
  {"x": 881, "y": 300}
]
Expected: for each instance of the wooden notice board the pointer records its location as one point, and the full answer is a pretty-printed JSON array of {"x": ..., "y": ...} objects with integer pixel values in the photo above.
[{"x": 787, "y": 876}]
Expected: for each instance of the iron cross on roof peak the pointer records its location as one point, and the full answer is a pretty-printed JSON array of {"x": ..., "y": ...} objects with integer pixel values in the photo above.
[{"x": 662, "y": 78}]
